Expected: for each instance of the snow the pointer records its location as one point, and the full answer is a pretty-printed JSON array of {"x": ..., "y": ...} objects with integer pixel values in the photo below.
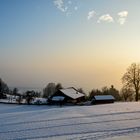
[
  {"x": 40, "y": 101},
  {"x": 104, "y": 97},
  {"x": 71, "y": 92},
  {"x": 118, "y": 121}
]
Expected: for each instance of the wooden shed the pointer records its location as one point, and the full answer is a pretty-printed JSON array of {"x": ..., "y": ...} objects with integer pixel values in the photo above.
[
  {"x": 67, "y": 95},
  {"x": 102, "y": 99}
]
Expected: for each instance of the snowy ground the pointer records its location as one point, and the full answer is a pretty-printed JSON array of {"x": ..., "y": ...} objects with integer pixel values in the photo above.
[{"x": 119, "y": 121}]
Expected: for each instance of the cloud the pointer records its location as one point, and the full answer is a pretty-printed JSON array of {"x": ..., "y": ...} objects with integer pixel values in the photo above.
[
  {"x": 122, "y": 17},
  {"x": 69, "y": 2},
  {"x": 60, "y": 5},
  {"x": 123, "y": 14},
  {"x": 121, "y": 21},
  {"x": 91, "y": 14},
  {"x": 75, "y": 8},
  {"x": 106, "y": 18}
]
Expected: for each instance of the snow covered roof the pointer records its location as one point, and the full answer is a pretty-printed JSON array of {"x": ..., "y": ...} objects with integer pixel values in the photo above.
[
  {"x": 72, "y": 93},
  {"x": 58, "y": 98},
  {"x": 40, "y": 100},
  {"x": 104, "y": 97}
]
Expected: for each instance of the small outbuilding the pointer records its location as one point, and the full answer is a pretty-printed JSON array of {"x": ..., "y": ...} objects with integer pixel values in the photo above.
[
  {"x": 67, "y": 95},
  {"x": 39, "y": 101},
  {"x": 102, "y": 99}
]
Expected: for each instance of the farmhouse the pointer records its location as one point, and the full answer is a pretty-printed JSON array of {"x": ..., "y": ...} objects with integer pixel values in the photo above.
[
  {"x": 102, "y": 99},
  {"x": 68, "y": 95}
]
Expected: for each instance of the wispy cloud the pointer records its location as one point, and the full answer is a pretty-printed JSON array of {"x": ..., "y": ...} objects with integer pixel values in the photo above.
[
  {"x": 122, "y": 17},
  {"x": 68, "y": 8},
  {"x": 69, "y": 2},
  {"x": 60, "y": 5},
  {"x": 65, "y": 6},
  {"x": 75, "y": 8},
  {"x": 91, "y": 14},
  {"x": 121, "y": 21},
  {"x": 105, "y": 18},
  {"x": 123, "y": 14}
]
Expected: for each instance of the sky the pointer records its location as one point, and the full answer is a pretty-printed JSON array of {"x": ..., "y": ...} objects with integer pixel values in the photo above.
[{"x": 80, "y": 43}]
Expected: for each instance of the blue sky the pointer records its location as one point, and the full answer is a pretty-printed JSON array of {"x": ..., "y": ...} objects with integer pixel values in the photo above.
[{"x": 81, "y": 43}]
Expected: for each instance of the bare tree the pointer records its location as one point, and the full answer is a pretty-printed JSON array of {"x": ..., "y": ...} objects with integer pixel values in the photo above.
[
  {"x": 132, "y": 78},
  {"x": 81, "y": 90},
  {"x": 29, "y": 95},
  {"x": 3, "y": 89},
  {"x": 127, "y": 93},
  {"x": 49, "y": 90},
  {"x": 106, "y": 91},
  {"x": 94, "y": 92},
  {"x": 58, "y": 86},
  {"x": 15, "y": 91},
  {"x": 114, "y": 92}
]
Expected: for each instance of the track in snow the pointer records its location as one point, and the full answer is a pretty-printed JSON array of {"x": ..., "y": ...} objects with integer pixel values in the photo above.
[{"x": 71, "y": 123}]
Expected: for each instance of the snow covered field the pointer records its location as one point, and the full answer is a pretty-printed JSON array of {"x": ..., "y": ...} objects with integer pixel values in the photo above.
[{"x": 118, "y": 121}]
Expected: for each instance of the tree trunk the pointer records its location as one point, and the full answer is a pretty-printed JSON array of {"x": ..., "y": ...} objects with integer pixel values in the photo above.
[{"x": 137, "y": 95}]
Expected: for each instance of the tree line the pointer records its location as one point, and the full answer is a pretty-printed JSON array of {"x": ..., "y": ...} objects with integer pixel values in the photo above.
[{"x": 129, "y": 92}]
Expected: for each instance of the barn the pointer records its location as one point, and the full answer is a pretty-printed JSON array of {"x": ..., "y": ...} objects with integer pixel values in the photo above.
[
  {"x": 67, "y": 95},
  {"x": 102, "y": 99}
]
